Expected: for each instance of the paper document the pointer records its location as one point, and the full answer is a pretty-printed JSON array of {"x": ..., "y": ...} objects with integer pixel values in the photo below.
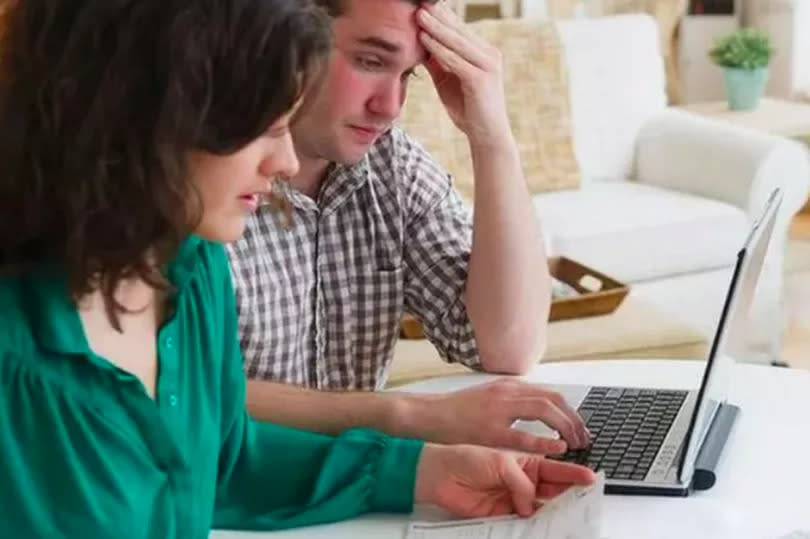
[{"x": 574, "y": 514}]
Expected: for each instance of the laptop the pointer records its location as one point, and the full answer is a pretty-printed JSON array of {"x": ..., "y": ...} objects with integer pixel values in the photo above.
[{"x": 667, "y": 442}]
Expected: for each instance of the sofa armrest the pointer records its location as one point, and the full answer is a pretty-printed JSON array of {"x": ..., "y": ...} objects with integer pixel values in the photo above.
[{"x": 685, "y": 152}]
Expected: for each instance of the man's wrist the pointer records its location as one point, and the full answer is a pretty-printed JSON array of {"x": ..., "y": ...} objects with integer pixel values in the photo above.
[{"x": 410, "y": 415}]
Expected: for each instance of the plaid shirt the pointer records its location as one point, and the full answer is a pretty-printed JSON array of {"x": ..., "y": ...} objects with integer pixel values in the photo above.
[{"x": 320, "y": 301}]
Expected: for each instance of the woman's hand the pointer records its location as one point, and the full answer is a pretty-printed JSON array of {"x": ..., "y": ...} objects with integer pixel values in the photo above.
[{"x": 472, "y": 481}]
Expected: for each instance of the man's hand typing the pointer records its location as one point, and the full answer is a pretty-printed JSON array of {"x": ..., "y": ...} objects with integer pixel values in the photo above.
[{"x": 483, "y": 415}]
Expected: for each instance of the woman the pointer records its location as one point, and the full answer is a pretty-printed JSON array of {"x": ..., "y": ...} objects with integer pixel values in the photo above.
[{"x": 137, "y": 134}]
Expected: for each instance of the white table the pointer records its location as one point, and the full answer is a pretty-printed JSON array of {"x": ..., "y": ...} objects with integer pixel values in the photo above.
[
  {"x": 760, "y": 493},
  {"x": 776, "y": 116}
]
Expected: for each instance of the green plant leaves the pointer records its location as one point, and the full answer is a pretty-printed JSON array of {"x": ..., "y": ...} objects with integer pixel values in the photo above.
[{"x": 747, "y": 48}]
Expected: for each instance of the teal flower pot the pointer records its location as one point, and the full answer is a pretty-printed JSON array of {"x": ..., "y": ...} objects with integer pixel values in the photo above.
[{"x": 745, "y": 87}]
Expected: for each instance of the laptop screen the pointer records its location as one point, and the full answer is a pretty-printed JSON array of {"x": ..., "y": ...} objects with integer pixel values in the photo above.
[{"x": 729, "y": 339}]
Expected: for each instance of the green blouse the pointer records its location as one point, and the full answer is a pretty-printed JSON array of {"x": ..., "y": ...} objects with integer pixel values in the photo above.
[{"x": 85, "y": 452}]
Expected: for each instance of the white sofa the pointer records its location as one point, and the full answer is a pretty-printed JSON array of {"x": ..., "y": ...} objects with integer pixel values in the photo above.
[{"x": 667, "y": 197}]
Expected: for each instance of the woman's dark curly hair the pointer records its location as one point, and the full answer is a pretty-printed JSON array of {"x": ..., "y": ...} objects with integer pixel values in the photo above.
[{"x": 101, "y": 102}]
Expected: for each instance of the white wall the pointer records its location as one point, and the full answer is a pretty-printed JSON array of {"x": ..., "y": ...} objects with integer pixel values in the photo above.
[
  {"x": 700, "y": 78},
  {"x": 801, "y": 56},
  {"x": 787, "y": 22}
]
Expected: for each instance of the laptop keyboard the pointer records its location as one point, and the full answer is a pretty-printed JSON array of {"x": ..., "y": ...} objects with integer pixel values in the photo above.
[{"x": 628, "y": 427}]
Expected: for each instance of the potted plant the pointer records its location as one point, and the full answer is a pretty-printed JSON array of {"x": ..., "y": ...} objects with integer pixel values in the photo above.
[{"x": 744, "y": 54}]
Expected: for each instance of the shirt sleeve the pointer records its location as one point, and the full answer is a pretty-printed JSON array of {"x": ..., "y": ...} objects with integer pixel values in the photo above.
[
  {"x": 274, "y": 477},
  {"x": 437, "y": 246}
]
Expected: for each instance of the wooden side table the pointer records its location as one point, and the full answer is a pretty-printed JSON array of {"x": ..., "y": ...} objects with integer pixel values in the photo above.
[{"x": 786, "y": 118}]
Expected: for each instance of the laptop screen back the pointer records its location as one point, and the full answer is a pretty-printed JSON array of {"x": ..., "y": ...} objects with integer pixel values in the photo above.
[{"x": 729, "y": 338}]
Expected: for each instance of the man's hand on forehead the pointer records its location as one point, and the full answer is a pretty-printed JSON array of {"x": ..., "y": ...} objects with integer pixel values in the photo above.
[{"x": 467, "y": 73}]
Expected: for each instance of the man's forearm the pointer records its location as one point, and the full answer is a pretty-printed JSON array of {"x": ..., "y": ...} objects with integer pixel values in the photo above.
[
  {"x": 508, "y": 286},
  {"x": 331, "y": 412}
]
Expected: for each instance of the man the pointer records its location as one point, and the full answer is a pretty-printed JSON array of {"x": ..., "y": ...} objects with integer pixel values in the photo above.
[{"x": 377, "y": 228}]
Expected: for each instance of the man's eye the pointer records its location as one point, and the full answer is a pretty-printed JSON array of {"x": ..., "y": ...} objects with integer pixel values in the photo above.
[{"x": 369, "y": 63}]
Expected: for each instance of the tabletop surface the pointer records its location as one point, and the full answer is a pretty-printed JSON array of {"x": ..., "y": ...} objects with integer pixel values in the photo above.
[
  {"x": 786, "y": 118},
  {"x": 761, "y": 493}
]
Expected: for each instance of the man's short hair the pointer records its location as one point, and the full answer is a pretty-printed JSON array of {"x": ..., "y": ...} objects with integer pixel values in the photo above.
[{"x": 336, "y": 8}]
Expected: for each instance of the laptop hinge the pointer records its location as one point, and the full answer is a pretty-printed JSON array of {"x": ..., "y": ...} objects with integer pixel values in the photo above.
[{"x": 715, "y": 440}]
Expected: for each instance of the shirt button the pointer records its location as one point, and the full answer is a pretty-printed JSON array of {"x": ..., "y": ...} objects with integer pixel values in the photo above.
[
  {"x": 169, "y": 343},
  {"x": 172, "y": 400}
]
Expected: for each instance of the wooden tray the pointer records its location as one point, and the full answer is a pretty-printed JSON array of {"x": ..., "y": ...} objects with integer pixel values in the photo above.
[
  {"x": 607, "y": 299},
  {"x": 410, "y": 327}
]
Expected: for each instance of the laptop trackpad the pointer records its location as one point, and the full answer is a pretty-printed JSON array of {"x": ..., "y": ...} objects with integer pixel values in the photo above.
[{"x": 574, "y": 395}]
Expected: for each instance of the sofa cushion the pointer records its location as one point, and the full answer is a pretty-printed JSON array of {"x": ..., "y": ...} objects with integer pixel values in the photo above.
[
  {"x": 634, "y": 232},
  {"x": 668, "y": 14},
  {"x": 616, "y": 80},
  {"x": 537, "y": 103}
]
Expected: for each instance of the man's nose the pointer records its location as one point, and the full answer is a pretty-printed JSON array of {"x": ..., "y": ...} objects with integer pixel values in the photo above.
[{"x": 387, "y": 100}]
